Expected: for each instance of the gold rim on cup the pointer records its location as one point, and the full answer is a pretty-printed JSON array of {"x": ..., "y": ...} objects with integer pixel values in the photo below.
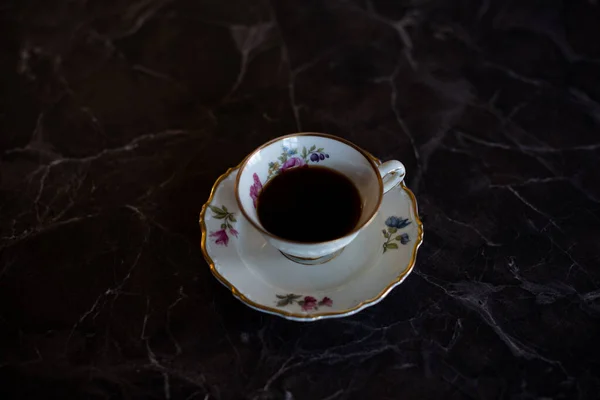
[{"x": 327, "y": 136}]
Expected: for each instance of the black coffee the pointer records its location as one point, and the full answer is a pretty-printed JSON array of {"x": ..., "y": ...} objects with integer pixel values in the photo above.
[{"x": 309, "y": 204}]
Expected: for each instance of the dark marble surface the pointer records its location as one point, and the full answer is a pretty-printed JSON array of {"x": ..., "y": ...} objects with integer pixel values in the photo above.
[{"x": 117, "y": 116}]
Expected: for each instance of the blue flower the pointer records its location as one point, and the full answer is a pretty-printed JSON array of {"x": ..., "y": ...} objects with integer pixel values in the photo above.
[
  {"x": 292, "y": 152},
  {"x": 285, "y": 149},
  {"x": 404, "y": 238},
  {"x": 398, "y": 223}
]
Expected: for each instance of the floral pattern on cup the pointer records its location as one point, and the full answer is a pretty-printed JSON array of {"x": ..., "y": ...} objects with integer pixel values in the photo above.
[
  {"x": 220, "y": 237},
  {"x": 306, "y": 303},
  {"x": 288, "y": 159},
  {"x": 255, "y": 189},
  {"x": 393, "y": 225}
]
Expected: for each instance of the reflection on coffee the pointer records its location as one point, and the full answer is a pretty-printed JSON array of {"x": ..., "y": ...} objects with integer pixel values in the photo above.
[{"x": 309, "y": 204}]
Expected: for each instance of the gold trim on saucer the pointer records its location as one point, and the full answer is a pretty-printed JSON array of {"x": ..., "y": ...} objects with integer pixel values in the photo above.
[{"x": 317, "y": 315}]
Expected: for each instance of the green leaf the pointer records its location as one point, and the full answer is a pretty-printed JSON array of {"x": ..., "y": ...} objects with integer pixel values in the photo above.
[
  {"x": 312, "y": 148},
  {"x": 392, "y": 230},
  {"x": 223, "y": 226},
  {"x": 384, "y": 249},
  {"x": 289, "y": 298},
  {"x": 304, "y": 152},
  {"x": 386, "y": 235},
  {"x": 283, "y": 302},
  {"x": 216, "y": 209},
  {"x": 320, "y": 150},
  {"x": 224, "y": 209},
  {"x": 398, "y": 238},
  {"x": 218, "y": 213},
  {"x": 392, "y": 246},
  {"x": 231, "y": 218}
]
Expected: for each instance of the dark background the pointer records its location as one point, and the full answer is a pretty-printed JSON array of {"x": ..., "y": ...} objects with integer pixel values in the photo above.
[{"x": 117, "y": 116}]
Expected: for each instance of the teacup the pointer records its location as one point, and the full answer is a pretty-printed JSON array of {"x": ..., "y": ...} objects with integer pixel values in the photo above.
[{"x": 300, "y": 149}]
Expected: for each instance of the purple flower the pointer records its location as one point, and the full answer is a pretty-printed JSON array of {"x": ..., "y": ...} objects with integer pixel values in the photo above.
[
  {"x": 309, "y": 303},
  {"x": 292, "y": 163},
  {"x": 255, "y": 189},
  {"x": 233, "y": 232},
  {"x": 404, "y": 238},
  {"x": 221, "y": 237},
  {"x": 326, "y": 301}
]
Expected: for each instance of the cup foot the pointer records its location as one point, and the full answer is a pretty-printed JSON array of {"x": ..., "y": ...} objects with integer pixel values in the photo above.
[{"x": 313, "y": 261}]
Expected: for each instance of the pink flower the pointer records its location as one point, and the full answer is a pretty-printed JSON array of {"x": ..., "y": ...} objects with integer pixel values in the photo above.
[
  {"x": 233, "y": 232},
  {"x": 326, "y": 301},
  {"x": 309, "y": 303},
  {"x": 221, "y": 235},
  {"x": 255, "y": 189},
  {"x": 292, "y": 163}
]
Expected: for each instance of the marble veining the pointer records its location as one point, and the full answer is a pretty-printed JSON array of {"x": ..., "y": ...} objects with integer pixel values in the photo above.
[{"x": 116, "y": 118}]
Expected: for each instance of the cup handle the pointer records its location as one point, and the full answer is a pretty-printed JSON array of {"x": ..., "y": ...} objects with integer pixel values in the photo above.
[{"x": 392, "y": 172}]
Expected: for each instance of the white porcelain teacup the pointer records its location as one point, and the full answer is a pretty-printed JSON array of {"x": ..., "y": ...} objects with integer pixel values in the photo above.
[{"x": 300, "y": 149}]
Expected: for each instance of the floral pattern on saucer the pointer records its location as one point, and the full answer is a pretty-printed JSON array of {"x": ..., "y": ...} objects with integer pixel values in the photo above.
[
  {"x": 221, "y": 238},
  {"x": 255, "y": 272},
  {"x": 308, "y": 303},
  {"x": 393, "y": 225}
]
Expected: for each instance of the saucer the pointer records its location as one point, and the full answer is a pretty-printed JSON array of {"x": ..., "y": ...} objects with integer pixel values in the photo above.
[{"x": 361, "y": 275}]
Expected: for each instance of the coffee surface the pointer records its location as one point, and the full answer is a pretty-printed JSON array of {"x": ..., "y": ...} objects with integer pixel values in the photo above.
[{"x": 309, "y": 204}]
